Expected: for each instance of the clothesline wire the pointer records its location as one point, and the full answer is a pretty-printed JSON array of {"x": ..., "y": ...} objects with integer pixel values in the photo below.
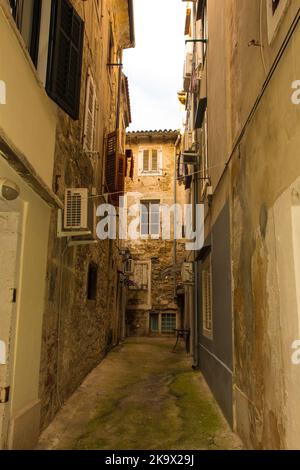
[{"x": 177, "y": 179}]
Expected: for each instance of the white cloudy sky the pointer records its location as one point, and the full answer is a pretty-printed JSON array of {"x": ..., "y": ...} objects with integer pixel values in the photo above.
[{"x": 155, "y": 66}]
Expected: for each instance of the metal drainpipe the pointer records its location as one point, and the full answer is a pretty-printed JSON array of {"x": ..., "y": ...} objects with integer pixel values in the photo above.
[
  {"x": 195, "y": 201},
  {"x": 119, "y": 92},
  {"x": 196, "y": 325}
]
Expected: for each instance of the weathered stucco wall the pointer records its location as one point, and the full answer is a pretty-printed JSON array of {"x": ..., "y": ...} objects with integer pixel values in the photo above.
[
  {"x": 253, "y": 143},
  {"x": 266, "y": 312}
]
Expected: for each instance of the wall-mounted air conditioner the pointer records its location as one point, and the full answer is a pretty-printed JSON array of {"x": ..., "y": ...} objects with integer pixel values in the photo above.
[
  {"x": 188, "y": 70},
  {"x": 188, "y": 140},
  {"x": 76, "y": 209},
  {"x": 190, "y": 158},
  {"x": 78, "y": 216}
]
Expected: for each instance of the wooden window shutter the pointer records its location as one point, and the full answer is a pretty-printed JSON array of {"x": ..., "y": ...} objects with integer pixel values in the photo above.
[
  {"x": 131, "y": 172},
  {"x": 140, "y": 162},
  {"x": 89, "y": 136},
  {"x": 187, "y": 28},
  {"x": 146, "y": 160},
  {"x": 65, "y": 57},
  {"x": 120, "y": 180},
  {"x": 160, "y": 161},
  {"x": 111, "y": 161},
  {"x": 154, "y": 160}
]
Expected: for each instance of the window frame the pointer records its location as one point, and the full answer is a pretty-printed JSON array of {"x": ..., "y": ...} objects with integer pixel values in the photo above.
[
  {"x": 169, "y": 314},
  {"x": 140, "y": 287},
  {"x": 150, "y": 172},
  {"x": 18, "y": 13},
  {"x": 90, "y": 85},
  {"x": 69, "y": 99},
  {"x": 149, "y": 203}
]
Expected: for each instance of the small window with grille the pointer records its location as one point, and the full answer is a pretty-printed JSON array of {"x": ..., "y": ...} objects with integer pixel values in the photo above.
[
  {"x": 207, "y": 317},
  {"x": 168, "y": 322}
]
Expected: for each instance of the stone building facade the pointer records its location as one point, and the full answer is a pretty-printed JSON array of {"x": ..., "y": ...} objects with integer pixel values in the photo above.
[
  {"x": 241, "y": 97},
  {"x": 154, "y": 305},
  {"x": 85, "y": 293}
]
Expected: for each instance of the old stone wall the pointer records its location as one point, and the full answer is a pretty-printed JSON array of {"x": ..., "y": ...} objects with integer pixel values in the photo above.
[
  {"x": 78, "y": 332},
  {"x": 161, "y": 295}
]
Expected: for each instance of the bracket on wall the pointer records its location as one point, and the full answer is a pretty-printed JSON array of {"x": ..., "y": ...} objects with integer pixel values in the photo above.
[{"x": 204, "y": 41}]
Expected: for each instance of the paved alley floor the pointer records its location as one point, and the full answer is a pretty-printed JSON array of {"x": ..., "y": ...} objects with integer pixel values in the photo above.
[{"x": 142, "y": 396}]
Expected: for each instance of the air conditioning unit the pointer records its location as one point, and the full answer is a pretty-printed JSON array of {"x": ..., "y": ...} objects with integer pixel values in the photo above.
[
  {"x": 190, "y": 158},
  {"x": 76, "y": 209},
  {"x": 188, "y": 70},
  {"x": 189, "y": 140},
  {"x": 129, "y": 266},
  {"x": 78, "y": 217}
]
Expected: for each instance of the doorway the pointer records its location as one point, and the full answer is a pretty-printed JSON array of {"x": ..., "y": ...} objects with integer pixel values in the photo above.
[{"x": 9, "y": 241}]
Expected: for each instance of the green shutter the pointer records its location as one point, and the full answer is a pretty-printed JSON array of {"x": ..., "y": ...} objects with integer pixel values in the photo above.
[{"x": 65, "y": 57}]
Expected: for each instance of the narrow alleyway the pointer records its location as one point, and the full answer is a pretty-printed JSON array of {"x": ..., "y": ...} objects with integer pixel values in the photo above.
[{"x": 142, "y": 396}]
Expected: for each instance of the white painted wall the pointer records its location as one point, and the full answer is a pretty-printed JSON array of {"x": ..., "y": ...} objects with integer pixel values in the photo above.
[
  {"x": 24, "y": 359},
  {"x": 28, "y": 119}
]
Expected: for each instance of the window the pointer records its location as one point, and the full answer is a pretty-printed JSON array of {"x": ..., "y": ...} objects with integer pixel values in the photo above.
[
  {"x": 91, "y": 108},
  {"x": 27, "y": 15},
  {"x": 114, "y": 169},
  {"x": 65, "y": 57},
  {"x": 150, "y": 218},
  {"x": 140, "y": 276},
  {"x": 207, "y": 297},
  {"x": 150, "y": 161},
  {"x": 92, "y": 282},
  {"x": 154, "y": 323},
  {"x": 168, "y": 322}
]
